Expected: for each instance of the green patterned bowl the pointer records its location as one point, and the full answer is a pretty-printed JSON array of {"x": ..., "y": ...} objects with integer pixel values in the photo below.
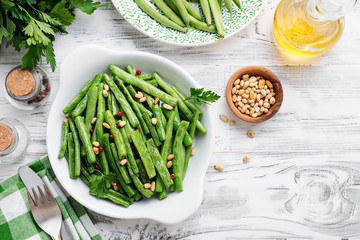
[{"x": 145, "y": 24}]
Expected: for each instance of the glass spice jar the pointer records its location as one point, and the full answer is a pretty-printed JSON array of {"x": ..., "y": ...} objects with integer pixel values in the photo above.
[
  {"x": 25, "y": 89},
  {"x": 14, "y": 140}
]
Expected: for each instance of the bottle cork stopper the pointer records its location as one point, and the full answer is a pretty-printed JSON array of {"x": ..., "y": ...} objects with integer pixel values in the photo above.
[
  {"x": 20, "y": 82},
  {"x": 6, "y": 137}
]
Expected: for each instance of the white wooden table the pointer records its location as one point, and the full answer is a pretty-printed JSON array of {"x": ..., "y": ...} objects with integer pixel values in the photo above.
[{"x": 303, "y": 178}]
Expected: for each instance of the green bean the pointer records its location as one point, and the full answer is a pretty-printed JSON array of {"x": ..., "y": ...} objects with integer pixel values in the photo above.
[
  {"x": 191, "y": 130},
  {"x": 162, "y": 195},
  {"x": 76, "y": 140},
  {"x": 132, "y": 103},
  {"x": 122, "y": 169},
  {"x": 153, "y": 82},
  {"x": 142, "y": 172},
  {"x": 169, "y": 132},
  {"x": 152, "y": 129},
  {"x": 146, "y": 77},
  {"x": 160, "y": 125},
  {"x": 77, "y": 98},
  {"x": 144, "y": 154},
  {"x": 82, "y": 104},
  {"x": 182, "y": 106},
  {"x": 237, "y": 2},
  {"x": 114, "y": 107},
  {"x": 129, "y": 129},
  {"x": 131, "y": 90},
  {"x": 113, "y": 198},
  {"x": 159, "y": 185},
  {"x": 85, "y": 180},
  {"x": 201, "y": 25},
  {"x": 183, "y": 12},
  {"x": 91, "y": 107},
  {"x": 64, "y": 130},
  {"x": 192, "y": 10},
  {"x": 71, "y": 156},
  {"x": 130, "y": 153},
  {"x": 168, "y": 12},
  {"x": 143, "y": 85},
  {"x": 84, "y": 171},
  {"x": 189, "y": 104},
  {"x": 109, "y": 101},
  {"x": 134, "y": 121},
  {"x": 84, "y": 137},
  {"x": 172, "y": 188},
  {"x": 178, "y": 160},
  {"x": 127, "y": 188},
  {"x": 130, "y": 70},
  {"x": 143, "y": 109},
  {"x": 101, "y": 107},
  {"x": 228, "y": 5},
  {"x": 216, "y": 12},
  {"x": 118, "y": 139},
  {"x": 159, "y": 164},
  {"x": 187, "y": 139},
  {"x": 120, "y": 195},
  {"x": 158, "y": 17},
  {"x": 138, "y": 184},
  {"x": 206, "y": 10}
]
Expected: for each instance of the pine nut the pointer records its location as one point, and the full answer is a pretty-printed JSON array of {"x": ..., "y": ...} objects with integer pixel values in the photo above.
[
  {"x": 223, "y": 118},
  {"x": 96, "y": 144},
  {"x": 168, "y": 107},
  {"x": 67, "y": 115},
  {"x": 192, "y": 152},
  {"x": 139, "y": 95},
  {"x": 244, "y": 95},
  {"x": 66, "y": 120},
  {"x": 169, "y": 164},
  {"x": 250, "y": 134},
  {"x": 269, "y": 84},
  {"x": 246, "y": 158},
  {"x": 147, "y": 185},
  {"x": 272, "y": 100},
  {"x": 237, "y": 87},
  {"x": 234, "y": 98},
  {"x": 106, "y": 87},
  {"x": 121, "y": 123},
  {"x": 170, "y": 157},
  {"x": 261, "y": 84},
  {"x": 93, "y": 120},
  {"x": 105, "y": 93},
  {"x": 219, "y": 167},
  {"x": 254, "y": 115},
  {"x": 116, "y": 187},
  {"x": 96, "y": 150},
  {"x": 123, "y": 162},
  {"x": 153, "y": 121},
  {"x": 105, "y": 125},
  {"x": 244, "y": 100},
  {"x": 143, "y": 99},
  {"x": 263, "y": 92},
  {"x": 246, "y": 84},
  {"x": 232, "y": 122},
  {"x": 156, "y": 100},
  {"x": 267, "y": 105},
  {"x": 152, "y": 188},
  {"x": 266, "y": 110},
  {"x": 252, "y": 79},
  {"x": 257, "y": 109},
  {"x": 237, "y": 82},
  {"x": 245, "y": 77}
]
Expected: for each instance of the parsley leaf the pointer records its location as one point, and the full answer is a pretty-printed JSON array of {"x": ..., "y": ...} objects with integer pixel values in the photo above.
[
  {"x": 99, "y": 183},
  {"x": 86, "y": 6},
  {"x": 199, "y": 96},
  {"x": 32, "y": 57},
  {"x": 50, "y": 56}
]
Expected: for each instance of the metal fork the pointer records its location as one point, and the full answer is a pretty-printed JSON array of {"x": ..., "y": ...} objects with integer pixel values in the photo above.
[{"x": 46, "y": 212}]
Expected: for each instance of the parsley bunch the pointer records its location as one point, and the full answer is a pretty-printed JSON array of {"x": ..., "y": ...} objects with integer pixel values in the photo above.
[
  {"x": 33, "y": 24},
  {"x": 199, "y": 96}
]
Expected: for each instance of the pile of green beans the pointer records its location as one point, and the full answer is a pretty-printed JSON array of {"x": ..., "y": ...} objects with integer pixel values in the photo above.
[
  {"x": 135, "y": 127},
  {"x": 180, "y": 14}
]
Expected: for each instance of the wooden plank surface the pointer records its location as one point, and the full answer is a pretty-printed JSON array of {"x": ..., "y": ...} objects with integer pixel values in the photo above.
[{"x": 303, "y": 178}]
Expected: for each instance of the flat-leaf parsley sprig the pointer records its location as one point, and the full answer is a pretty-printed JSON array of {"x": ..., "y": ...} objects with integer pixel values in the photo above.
[
  {"x": 33, "y": 24},
  {"x": 199, "y": 96}
]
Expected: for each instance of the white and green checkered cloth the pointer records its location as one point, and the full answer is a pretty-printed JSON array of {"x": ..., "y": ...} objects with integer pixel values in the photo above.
[{"x": 16, "y": 221}]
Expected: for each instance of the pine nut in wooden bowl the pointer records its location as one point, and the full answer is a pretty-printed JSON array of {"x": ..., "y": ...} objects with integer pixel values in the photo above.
[{"x": 254, "y": 94}]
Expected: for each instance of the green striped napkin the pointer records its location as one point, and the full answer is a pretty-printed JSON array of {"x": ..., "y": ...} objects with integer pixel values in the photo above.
[{"x": 16, "y": 221}]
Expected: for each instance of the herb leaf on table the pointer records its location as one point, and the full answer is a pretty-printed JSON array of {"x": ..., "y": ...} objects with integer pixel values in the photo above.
[
  {"x": 99, "y": 182},
  {"x": 199, "y": 96},
  {"x": 33, "y": 24}
]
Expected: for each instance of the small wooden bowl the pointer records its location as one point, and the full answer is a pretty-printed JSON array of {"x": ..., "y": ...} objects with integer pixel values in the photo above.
[{"x": 267, "y": 75}]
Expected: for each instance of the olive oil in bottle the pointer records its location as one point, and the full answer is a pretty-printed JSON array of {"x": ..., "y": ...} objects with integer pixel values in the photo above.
[{"x": 308, "y": 28}]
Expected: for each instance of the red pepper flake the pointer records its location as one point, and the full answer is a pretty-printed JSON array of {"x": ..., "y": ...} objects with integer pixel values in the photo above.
[
  {"x": 100, "y": 149},
  {"x": 91, "y": 131},
  {"x": 96, "y": 166},
  {"x": 120, "y": 114},
  {"x": 48, "y": 87},
  {"x": 172, "y": 176},
  {"x": 138, "y": 129},
  {"x": 138, "y": 72},
  {"x": 111, "y": 137}
]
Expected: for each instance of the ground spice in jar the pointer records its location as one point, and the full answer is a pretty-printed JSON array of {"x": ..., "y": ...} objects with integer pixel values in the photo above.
[
  {"x": 6, "y": 137},
  {"x": 20, "y": 82}
]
